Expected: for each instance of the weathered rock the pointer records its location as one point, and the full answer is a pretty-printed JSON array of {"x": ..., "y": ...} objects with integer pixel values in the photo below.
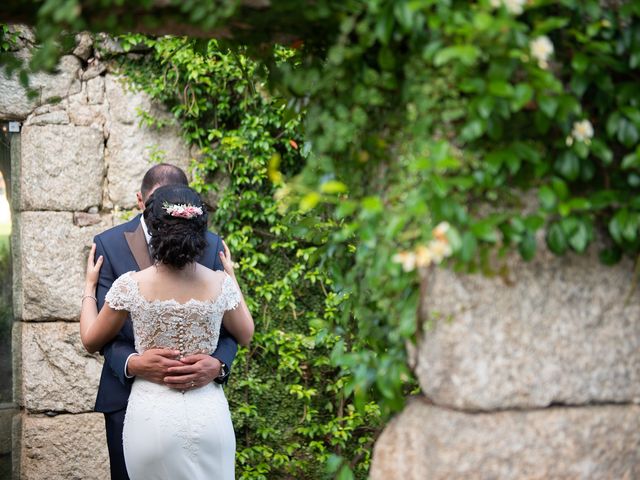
[
  {"x": 54, "y": 117},
  {"x": 14, "y": 101},
  {"x": 131, "y": 147},
  {"x": 95, "y": 68},
  {"x": 65, "y": 447},
  {"x": 49, "y": 268},
  {"x": 61, "y": 167},
  {"x": 84, "y": 46},
  {"x": 59, "y": 85},
  {"x": 95, "y": 90},
  {"x": 87, "y": 115},
  {"x": 57, "y": 373},
  {"x": 84, "y": 219},
  {"x": 124, "y": 103},
  {"x": 107, "y": 46},
  {"x": 586, "y": 443},
  {"x": 559, "y": 331}
]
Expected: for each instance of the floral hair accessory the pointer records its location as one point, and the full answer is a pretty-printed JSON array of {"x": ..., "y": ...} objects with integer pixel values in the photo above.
[{"x": 182, "y": 210}]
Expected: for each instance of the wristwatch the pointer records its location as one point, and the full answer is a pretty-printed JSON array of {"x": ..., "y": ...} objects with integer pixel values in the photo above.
[{"x": 224, "y": 373}]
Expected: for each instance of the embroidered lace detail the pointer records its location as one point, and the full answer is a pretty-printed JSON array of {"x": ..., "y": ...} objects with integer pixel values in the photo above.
[{"x": 191, "y": 327}]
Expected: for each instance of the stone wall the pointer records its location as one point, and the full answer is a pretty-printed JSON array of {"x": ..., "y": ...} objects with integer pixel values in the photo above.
[
  {"x": 535, "y": 375},
  {"x": 76, "y": 166}
]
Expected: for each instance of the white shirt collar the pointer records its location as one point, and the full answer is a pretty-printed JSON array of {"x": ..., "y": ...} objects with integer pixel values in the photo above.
[{"x": 147, "y": 236}]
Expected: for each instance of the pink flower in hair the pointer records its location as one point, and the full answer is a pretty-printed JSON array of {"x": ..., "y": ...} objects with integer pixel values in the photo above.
[{"x": 182, "y": 210}]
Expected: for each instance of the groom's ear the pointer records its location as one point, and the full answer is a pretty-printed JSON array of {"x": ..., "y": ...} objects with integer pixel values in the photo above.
[{"x": 140, "y": 201}]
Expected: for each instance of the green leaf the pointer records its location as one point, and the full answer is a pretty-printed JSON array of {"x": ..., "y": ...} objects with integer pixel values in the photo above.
[
  {"x": 548, "y": 105},
  {"x": 466, "y": 54},
  {"x": 568, "y": 165},
  {"x": 500, "y": 88},
  {"x": 560, "y": 187},
  {"x": 580, "y": 238},
  {"x": 631, "y": 160},
  {"x": 472, "y": 130},
  {"x": 333, "y": 186},
  {"x": 372, "y": 204},
  {"x": 547, "y": 197},
  {"x": 469, "y": 247},
  {"x": 602, "y": 151},
  {"x": 309, "y": 201},
  {"x": 345, "y": 473},
  {"x": 522, "y": 94},
  {"x": 485, "y": 230},
  {"x": 580, "y": 62},
  {"x": 610, "y": 256},
  {"x": 527, "y": 246},
  {"x": 556, "y": 239},
  {"x": 627, "y": 133}
]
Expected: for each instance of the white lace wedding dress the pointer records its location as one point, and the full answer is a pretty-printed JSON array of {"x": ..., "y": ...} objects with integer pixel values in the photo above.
[{"x": 168, "y": 434}]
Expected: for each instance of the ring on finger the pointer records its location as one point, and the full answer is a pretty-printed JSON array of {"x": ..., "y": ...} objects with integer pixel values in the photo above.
[{"x": 193, "y": 384}]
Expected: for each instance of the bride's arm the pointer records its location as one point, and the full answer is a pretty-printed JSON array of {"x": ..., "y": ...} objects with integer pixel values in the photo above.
[
  {"x": 97, "y": 329},
  {"x": 238, "y": 321}
]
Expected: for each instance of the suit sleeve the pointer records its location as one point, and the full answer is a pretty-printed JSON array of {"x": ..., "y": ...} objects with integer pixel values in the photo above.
[
  {"x": 227, "y": 345},
  {"x": 122, "y": 346}
]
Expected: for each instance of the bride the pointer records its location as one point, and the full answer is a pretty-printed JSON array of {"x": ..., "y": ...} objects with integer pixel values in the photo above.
[{"x": 177, "y": 304}]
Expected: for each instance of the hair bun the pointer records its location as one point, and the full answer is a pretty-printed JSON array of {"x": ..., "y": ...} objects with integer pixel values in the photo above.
[{"x": 176, "y": 240}]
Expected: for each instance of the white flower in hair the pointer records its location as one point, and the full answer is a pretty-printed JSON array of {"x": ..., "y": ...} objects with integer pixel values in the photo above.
[{"x": 181, "y": 210}]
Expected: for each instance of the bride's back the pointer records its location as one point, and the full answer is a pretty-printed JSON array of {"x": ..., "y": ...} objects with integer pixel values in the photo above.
[{"x": 193, "y": 282}]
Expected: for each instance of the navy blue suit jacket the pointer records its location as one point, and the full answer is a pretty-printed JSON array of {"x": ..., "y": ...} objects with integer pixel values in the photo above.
[{"x": 115, "y": 387}]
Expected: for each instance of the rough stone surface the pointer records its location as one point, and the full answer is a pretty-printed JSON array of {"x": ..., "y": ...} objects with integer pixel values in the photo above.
[
  {"x": 94, "y": 69},
  {"x": 85, "y": 219},
  {"x": 61, "y": 84},
  {"x": 84, "y": 46},
  {"x": 50, "y": 265},
  {"x": 55, "y": 117},
  {"x": 65, "y": 447},
  {"x": 14, "y": 102},
  {"x": 95, "y": 90},
  {"x": 557, "y": 331},
  {"x": 585, "y": 443},
  {"x": 131, "y": 147},
  {"x": 57, "y": 373},
  {"x": 61, "y": 167}
]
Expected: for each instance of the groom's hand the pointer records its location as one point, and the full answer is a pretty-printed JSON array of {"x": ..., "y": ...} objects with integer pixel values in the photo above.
[
  {"x": 197, "y": 371},
  {"x": 153, "y": 364}
]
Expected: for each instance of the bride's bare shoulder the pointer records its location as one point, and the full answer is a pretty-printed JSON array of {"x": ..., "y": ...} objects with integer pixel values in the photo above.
[{"x": 210, "y": 275}]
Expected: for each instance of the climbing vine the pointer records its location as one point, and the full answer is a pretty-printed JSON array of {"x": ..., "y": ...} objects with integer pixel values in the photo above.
[{"x": 291, "y": 414}]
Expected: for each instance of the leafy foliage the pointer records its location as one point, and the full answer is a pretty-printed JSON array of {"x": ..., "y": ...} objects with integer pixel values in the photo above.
[
  {"x": 503, "y": 122},
  {"x": 290, "y": 410}
]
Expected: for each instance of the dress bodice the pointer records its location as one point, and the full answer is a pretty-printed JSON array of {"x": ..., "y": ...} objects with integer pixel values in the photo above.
[{"x": 191, "y": 327}]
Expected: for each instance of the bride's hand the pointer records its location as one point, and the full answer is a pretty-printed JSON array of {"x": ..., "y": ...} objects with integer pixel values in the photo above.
[
  {"x": 93, "y": 268},
  {"x": 225, "y": 258}
]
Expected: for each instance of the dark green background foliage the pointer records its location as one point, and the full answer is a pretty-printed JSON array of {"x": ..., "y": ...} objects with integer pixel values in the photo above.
[
  {"x": 290, "y": 412},
  {"x": 430, "y": 111}
]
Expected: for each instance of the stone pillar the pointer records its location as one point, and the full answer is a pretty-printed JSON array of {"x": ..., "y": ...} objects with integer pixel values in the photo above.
[
  {"x": 531, "y": 375},
  {"x": 76, "y": 167}
]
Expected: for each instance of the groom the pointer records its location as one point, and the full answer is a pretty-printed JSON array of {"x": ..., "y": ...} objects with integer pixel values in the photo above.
[{"x": 125, "y": 248}]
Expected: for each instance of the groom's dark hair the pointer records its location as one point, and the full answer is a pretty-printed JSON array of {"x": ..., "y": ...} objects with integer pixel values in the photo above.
[{"x": 160, "y": 175}]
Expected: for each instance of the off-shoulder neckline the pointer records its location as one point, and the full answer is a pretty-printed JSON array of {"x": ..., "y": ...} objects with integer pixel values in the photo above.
[{"x": 173, "y": 301}]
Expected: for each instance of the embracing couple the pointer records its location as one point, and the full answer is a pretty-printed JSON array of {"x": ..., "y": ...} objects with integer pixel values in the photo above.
[{"x": 163, "y": 306}]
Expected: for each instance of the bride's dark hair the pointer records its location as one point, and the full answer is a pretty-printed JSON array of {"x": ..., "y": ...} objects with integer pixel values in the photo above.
[{"x": 175, "y": 241}]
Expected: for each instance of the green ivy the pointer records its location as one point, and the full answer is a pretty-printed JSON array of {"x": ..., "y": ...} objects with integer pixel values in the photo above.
[{"x": 290, "y": 410}]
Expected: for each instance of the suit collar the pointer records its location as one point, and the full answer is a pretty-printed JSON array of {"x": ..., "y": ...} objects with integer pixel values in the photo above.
[{"x": 138, "y": 246}]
